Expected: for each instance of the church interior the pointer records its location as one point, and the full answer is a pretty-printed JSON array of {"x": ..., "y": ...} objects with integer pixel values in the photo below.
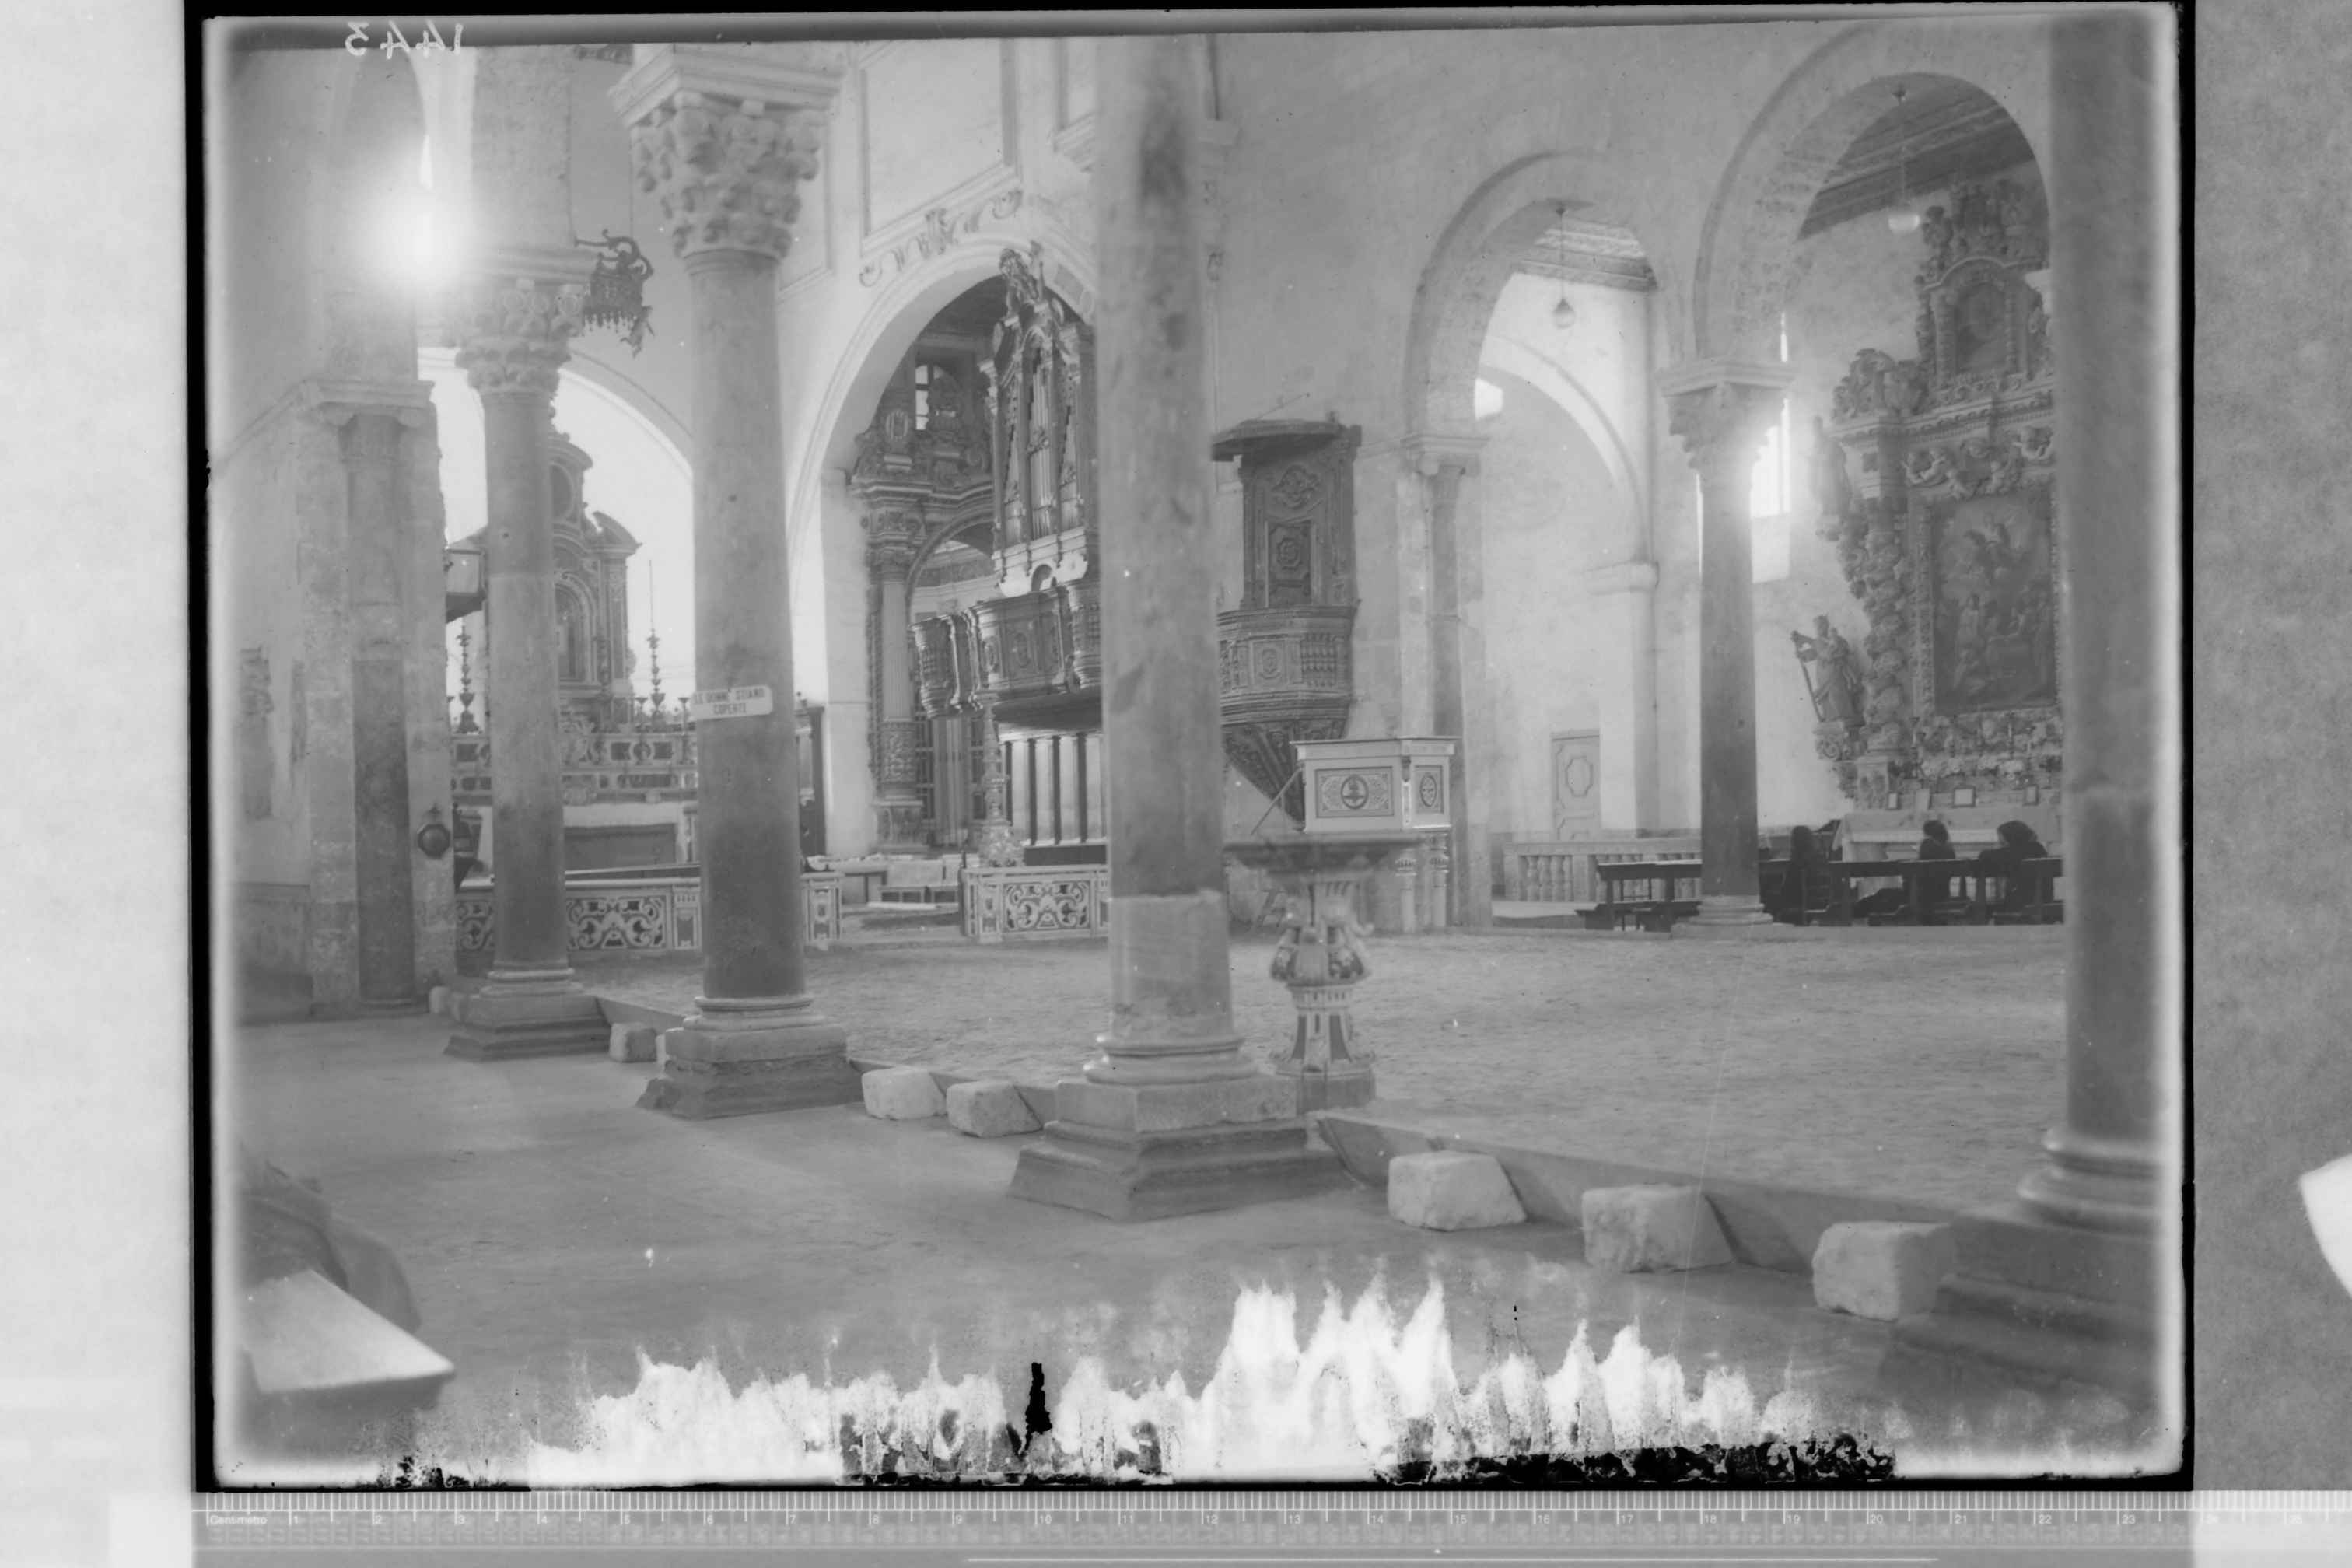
[{"x": 908, "y": 705}]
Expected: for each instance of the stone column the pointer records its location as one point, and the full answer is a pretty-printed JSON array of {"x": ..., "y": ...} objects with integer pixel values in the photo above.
[
  {"x": 725, "y": 139},
  {"x": 897, "y": 808},
  {"x": 385, "y": 855},
  {"x": 1169, "y": 1118},
  {"x": 1623, "y": 599},
  {"x": 2066, "y": 1304},
  {"x": 1457, "y": 648},
  {"x": 1721, "y": 409},
  {"x": 510, "y": 346}
]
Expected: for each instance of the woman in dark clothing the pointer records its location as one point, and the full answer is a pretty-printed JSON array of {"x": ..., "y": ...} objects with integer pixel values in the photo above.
[
  {"x": 1789, "y": 898},
  {"x": 2018, "y": 844},
  {"x": 1935, "y": 844}
]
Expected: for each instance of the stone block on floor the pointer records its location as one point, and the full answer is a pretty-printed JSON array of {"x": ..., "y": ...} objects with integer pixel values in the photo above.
[
  {"x": 1879, "y": 1270},
  {"x": 902, "y": 1094},
  {"x": 989, "y": 1108},
  {"x": 1641, "y": 1230},
  {"x": 633, "y": 1043},
  {"x": 1451, "y": 1192},
  {"x": 437, "y": 1001}
]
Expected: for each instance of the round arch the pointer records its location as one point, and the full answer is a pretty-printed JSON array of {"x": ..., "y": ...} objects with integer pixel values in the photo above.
[
  {"x": 1747, "y": 250},
  {"x": 1476, "y": 256},
  {"x": 1516, "y": 360},
  {"x": 862, "y": 366}
]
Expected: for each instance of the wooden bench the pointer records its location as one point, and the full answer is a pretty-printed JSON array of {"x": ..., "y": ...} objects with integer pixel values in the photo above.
[
  {"x": 1986, "y": 900},
  {"x": 1656, "y": 909}
]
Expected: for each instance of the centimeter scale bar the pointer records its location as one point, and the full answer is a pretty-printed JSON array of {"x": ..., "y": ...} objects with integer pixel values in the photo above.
[{"x": 1426, "y": 1523}]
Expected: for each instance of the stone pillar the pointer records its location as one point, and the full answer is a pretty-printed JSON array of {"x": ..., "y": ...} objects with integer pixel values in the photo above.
[
  {"x": 1721, "y": 409},
  {"x": 1458, "y": 706},
  {"x": 385, "y": 855},
  {"x": 2066, "y": 1303},
  {"x": 1169, "y": 1118},
  {"x": 992, "y": 838},
  {"x": 510, "y": 347},
  {"x": 725, "y": 141},
  {"x": 897, "y": 808},
  {"x": 1624, "y": 604}
]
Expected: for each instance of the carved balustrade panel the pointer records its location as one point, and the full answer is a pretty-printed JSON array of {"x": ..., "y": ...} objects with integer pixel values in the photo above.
[
  {"x": 655, "y": 914},
  {"x": 1018, "y": 902}
]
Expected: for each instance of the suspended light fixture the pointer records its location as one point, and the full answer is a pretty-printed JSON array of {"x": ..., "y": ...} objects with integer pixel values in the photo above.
[
  {"x": 1563, "y": 315},
  {"x": 1905, "y": 216}
]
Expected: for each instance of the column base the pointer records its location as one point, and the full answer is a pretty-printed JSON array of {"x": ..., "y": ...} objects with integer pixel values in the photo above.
[
  {"x": 2045, "y": 1330},
  {"x": 495, "y": 1026},
  {"x": 1736, "y": 912},
  {"x": 1150, "y": 1152},
  {"x": 789, "y": 1064},
  {"x": 391, "y": 1008},
  {"x": 1337, "y": 1089}
]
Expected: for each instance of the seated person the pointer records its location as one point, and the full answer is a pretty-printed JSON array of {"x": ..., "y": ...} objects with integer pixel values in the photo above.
[
  {"x": 2017, "y": 844},
  {"x": 1789, "y": 898},
  {"x": 1935, "y": 844}
]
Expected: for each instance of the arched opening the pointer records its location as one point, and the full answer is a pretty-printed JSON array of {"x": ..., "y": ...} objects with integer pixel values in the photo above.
[
  {"x": 1887, "y": 222},
  {"x": 971, "y": 486},
  {"x": 1541, "y": 296}
]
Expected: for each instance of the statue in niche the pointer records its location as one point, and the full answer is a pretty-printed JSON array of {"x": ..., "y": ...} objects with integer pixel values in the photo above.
[{"x": 1832, "y": 674}]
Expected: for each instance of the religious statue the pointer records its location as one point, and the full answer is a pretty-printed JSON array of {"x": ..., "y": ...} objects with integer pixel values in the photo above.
[{"x": 1832, "y": 675}]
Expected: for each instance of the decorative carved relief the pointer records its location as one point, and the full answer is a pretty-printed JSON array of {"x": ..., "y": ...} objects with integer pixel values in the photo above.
[
  {"x": 727, "y": 179},
  {"x": 937, "y": 236}
]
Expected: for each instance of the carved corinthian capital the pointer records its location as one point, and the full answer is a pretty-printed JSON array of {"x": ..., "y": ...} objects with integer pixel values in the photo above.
[
  {"x": 724, "y": 135},
  {"x": 1720, "y": 412},
  {"x": 728, "y": 173},
  {"x": 515, "y": 334}
]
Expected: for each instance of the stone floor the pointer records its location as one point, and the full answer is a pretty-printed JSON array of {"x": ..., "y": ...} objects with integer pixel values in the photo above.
[
  {"x": 556, "y": 1238},
  {"x": 1919, "y": 1064}
]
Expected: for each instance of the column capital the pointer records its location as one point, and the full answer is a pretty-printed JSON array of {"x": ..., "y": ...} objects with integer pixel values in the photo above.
[
  {"x": 338, "y": 402},
  {"x": 1427, "y": 451},
  {"x": 724, "y": 138},
  {"x": 514, "y": 333},
  {"x": 1721, "y": 407}
]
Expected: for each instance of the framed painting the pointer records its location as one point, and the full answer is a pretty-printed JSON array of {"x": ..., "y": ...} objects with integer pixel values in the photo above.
[{"x": 1992, "y": 601}]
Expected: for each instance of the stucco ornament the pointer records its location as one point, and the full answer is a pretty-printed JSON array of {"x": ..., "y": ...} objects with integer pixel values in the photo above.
[
  {"x": 516, "y": 334},
  {"x": 727, "y": 179}
]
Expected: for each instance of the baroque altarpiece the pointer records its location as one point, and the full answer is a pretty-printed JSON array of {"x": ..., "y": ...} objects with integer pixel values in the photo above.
[
  {"x": 1937, "y": 485},
  {"x": 983, "y": 453}
]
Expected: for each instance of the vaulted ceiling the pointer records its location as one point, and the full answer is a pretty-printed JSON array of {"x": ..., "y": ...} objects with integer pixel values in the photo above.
[{"x": 1941, "y": 131}]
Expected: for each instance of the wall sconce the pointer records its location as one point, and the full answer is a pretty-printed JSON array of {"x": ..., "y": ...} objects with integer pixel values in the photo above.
[{"x": 432, "y": 838}]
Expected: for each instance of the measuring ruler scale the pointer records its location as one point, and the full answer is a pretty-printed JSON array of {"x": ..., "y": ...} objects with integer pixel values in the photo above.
[{"x": 1897, "y": 1528}]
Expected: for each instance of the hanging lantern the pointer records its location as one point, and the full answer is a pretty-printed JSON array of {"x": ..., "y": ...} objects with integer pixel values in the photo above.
[
  {"x": 616, "y": 289},
  {"x": 1563, "y": 315},
  {"x": 1905, "y": 217}
]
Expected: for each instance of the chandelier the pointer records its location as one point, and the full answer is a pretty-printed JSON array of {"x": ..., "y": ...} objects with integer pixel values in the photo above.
[{"x": 616, "y": 289}]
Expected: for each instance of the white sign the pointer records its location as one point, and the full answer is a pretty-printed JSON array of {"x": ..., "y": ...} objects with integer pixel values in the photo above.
[{"x": 735, "y": 702}]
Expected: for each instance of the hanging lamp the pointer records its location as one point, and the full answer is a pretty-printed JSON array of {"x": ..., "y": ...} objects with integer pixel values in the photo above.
[
  {"x": 1905, "y": 215},
  {"x": 1563, "y": 315}
]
